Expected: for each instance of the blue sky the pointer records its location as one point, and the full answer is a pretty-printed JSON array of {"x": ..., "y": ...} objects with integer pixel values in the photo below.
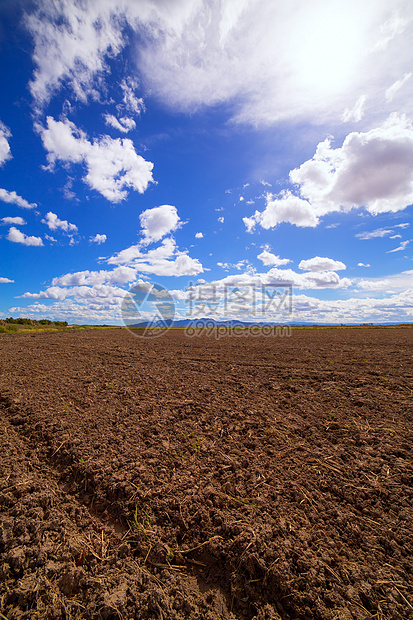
[{"x": 219, "y": 148}]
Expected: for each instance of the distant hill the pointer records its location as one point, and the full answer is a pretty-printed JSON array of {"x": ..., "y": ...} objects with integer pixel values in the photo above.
[
  {"x": 203, "y": 322},
  {"x": 210, "y": 323}
]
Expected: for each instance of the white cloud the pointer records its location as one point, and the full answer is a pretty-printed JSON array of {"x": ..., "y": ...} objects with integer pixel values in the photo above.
[
  {"x": 9, "y": 221},
  {"x": 199, "y": 235},
  {"x": 123, "y": 124},
  {"x": 112, "y": 164},
  {"x": 356, "y": 113},
  {"x": 5, "y": 281},
  {"x": 374, "y": 234},
  {"x": 272, "y": 60},
  {"x": 319, "y": 264},
  {"x": 271, "y": 259},
  {"x": 5, "y": 152},
  {"x": 98, "y": 294},
  {"x": 276, "y": 277},
  {"x": 50, "y": 238},
  {"x": 394, "y": 88},
  {"x": 240, "y": 265},
  {"x": 400, "y": 248},
  {"x": 105, "y": 306},
  {"x": 221, "y": 219},
  {"x": 120, "y": 275},
  {"x": 371, "y": 170},
  {"x": 53, "y": 222},
  {"x": 396, "y": 282},
  {"x": 98, "y": 239},
  {"x": 158, "y": 222},
  {"x": 15, "y": 199},
  {"x": 16, "y": 236},
  {"x": 131, "y": 101},
  {"x": 73, "y": 49},
  {"x": 284, "y": 207},
  {"x": 164, "y": 260},
  {"x": 395, "y": 237},
  {"x": 277, "y": 60},
  {"x": 363, "y": 265}
]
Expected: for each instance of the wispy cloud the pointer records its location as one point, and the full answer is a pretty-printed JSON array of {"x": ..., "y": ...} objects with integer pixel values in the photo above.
[
  {"x": 400, "y": 248},
  {"x": 394, "y": 88},
  {"x": 5, "y": 152},
  {"x": 261, "y": 55},
  {"x": 123, "y": 124},
  {"x": 374, "y": 234}
]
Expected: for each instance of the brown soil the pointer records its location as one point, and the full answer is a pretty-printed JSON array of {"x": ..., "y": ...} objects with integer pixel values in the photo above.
[{"x": 266, "y": 478}]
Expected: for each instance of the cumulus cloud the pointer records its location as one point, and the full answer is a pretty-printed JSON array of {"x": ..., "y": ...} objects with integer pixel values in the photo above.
[
  {"x": 199, "y": 235},
  {"x": 271, "y": 259},
  {"x": 276, "y": 277},
  {"x": 372, "y": 170},
  {"x": 164, "y": 260},
  {"x": 284, "y": 207},
  {"x": 363, "y": 265},
  {"x": 5, "y": 281},
  {"x": 112, "y": 164},
  {"x": 9, "y": 221},
  {"x": 98, "y": 239},
  {"x": 319, "y": 264},
  {"x": 16, "y": 236},
  {"x": 5, "y": 152},
  {"x": 123, "y": 124},
  {"x": 158, "y": 222},
  {"x": 273, "y": 60},
  {"x": 98, "y": 294},
  {"x": 15, "y": 199},
  {"x": 120, "y": 275},
  {"x": 105, "y": 305},
  {"x": 53, "y": 222}
]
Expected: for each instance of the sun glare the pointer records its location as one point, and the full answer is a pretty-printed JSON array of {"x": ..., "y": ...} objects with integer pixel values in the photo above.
[{"x": 328, "y": 48}]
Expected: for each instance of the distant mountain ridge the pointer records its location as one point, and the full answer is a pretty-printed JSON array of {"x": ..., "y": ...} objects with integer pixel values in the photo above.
[{"x": 210, "y": 323}]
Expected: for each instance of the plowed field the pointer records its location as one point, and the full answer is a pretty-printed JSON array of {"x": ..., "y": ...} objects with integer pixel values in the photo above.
[{"x": 195, "y": 478}]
